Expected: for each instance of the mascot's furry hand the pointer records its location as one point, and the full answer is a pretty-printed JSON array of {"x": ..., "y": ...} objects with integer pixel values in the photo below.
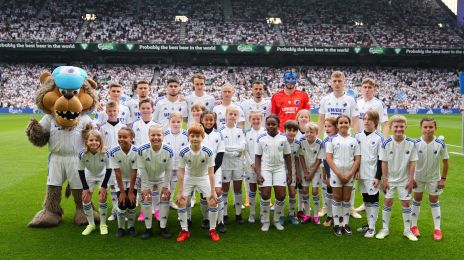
[{"x": 36, "y": 134}]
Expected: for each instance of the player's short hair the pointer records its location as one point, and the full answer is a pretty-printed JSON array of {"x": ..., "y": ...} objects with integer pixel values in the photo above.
[
  {"x": 397, "y": 119},
  {"x": 196, "y": 129},
  {"x": 337, "y": 74},
  {"x": 98, "y": 135},
  {"x": 255, "y": 113},
  {"x": 369, "y": 81},
  {"x": 374, "y": 116},
  {"x": 175, "y": 80},
  {"x": 311, "y": 126},
  {"x": 343, "y": 116},
  {"x": 140, "y": 82},
  {"x": 154, "y": 127},
  {"x": 206, "y": 113},
  {"x": 146, "y": 100},
  {"x": 228, "y": 85},
  {"x": 332, "y": 120},
  {"x": 257, "y": 82},
  {"x": 198, "y": 106},
  {"x": 301, "y": 112},
  {"x": 128, "y": 129},
  {"x": 428, "y": 119},
  {"x": 291, "y": 125},
  {"x": 198, "y": 76},
  {"x": 273, "y": 117},
  {"x": 114, "y": 85},
  {"x": 111, "y": 104},
  {"x": 232, "y": 109},
  {"x": 175, "y": 114}
]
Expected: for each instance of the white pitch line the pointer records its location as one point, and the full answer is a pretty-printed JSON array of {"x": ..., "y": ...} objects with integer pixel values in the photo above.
[
  {"x": 452, "y": 145},
  {"x": 457, "y": 153}
]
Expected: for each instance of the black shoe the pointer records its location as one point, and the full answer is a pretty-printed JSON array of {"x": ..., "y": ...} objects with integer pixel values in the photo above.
[
  {"x": 205, "y": 224},
  {"x": 147, "y": 234},
  {"x": 347, "y": 230},
  {"x": 132, "y": 232},
  {"x": 226, "y": 219},
  {"x": 120, "y": 233},
  {"x": 221, "y": 228},
  {"x": 165, "y": 233},
  {"x": 238, "y": 219},
  {"x": 337, "y": 231},
  {"x": 363, "y": 229}
]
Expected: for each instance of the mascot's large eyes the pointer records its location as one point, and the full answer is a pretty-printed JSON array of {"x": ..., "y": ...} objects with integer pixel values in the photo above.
[
  {"x": 62, "y": 91},
  {"x": 75, "y": 92}
]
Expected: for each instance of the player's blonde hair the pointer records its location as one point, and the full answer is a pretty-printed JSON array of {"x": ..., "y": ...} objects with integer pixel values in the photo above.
[
  {"x": 95, "y": 133},
  {"x": 255, "y": 113},
  {"x": 302, "y": 112},
  {"x": 196, "y": 129},
  {"x": 311, "y": 126},
  {"x": 155, "y": 127},
  {"x": 337, "y": 74},
  {"x": 198, "y": 76},
  {"x": 175, "y": 114},
  {"x": 369, "y": 81},
  {"x": 397, "y": 119},
  {"x": 228, "y": 85},
  {"x": 231, "y": 109}
]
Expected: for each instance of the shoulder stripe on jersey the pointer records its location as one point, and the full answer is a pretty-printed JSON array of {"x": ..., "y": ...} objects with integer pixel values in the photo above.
[
  {"x": 222, "y": 128},
  {"x": 114, "y": 150},
  {"x": 261, "y": 136},
  {"x": 318, "y": 141},
  {"x": 418, "y": 140},
  {"x": 410, "y": 140},
  {"x": 134, "y": 148},
  {"x": 142, "y": 148},
  {"x": 169, "y": 149},
  {"x": 81, "y": 153},
  {"x": 184, "y": 133},
  {"x": 440, "y": 142},
  {"x": 389, "y": 139},
  {"x": 184, "y": 151},
  {"x": 167, "y": 132},
  {"x": 207, "y": 150},
  {"x": 297, "y": 141}
]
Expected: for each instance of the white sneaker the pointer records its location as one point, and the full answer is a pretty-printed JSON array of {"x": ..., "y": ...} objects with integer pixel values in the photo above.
[
  {"x": 251, "y": 219},
  {"x": 265, "y": 227},
  {"x": 322, "y": 212},
  {"x": 278, "y": 226},
  {"x": 369, "y": 233},
  {"x": 193, "y": 200},
  {"x": 410, "y": 235},
  {"x": 383, "y": 233},
  {"x": 360, "y": 208},
  {"x": 112, "y": 217},
  {"x": 173, "y": 205},
  {"x": 355, "y": 214}
]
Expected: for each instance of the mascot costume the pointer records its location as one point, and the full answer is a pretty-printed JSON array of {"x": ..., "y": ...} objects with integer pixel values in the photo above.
[{"x": 65, "y": 97}]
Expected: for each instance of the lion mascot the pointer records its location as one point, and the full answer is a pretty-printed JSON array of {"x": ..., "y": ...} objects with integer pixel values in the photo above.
[{"x": 65, "y": 97}]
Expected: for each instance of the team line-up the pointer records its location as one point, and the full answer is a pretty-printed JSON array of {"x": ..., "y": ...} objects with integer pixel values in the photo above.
[{"x": 142, "y": 148}]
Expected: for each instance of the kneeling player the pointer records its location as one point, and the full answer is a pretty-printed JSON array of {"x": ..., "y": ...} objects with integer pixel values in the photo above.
[{"x": 196, "y": 170}]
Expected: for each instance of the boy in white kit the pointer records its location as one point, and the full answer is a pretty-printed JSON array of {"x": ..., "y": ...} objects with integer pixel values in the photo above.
[
  {"x": 170, "y": 103},
  {"x": 196, "y": 170},
  {"x": 109, "y": 131},
  {"x": 398, "y": 156},
  {"x": 123, "y": 159},
  {"x": 291, "y": 129},
  {"x": 272, "y": 151},
  {"x": 427, "y": 175},
  {"x": 155, "y": 164},
  {"x": 232, "y": 164},
  {"x": 311, "y": 153},
  {"x": 255, "y": 122}
]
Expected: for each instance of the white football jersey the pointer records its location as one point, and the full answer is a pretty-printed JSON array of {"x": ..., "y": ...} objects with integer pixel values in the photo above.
[
  {"x": 155, "y": 166},
  {"x": 429, "y": 157},
  {"x": 370, "y": 146},
  {"x": 311, "y": 152},
  {"x": 196, "y": 164},
  {"x": 192, "y": 99},
  {"x": 94, "y": 164},
  {"x": 376, "y": 105},
  {"x": 141, "y": 131},
  {"x": 295, "y": 148},
  {"x": 215, "y": 142},
  {"x": 251, "y": 137},
  {"x": 235, "y": 144},
  {"x": 250, "y": 105},
  {"x": 272, "y": 150},
  {"x": 398, "y": 156},
  {"x": 164, "y": 108},
  {"x": 125, "y": 162},
  {"x": 133, "y": 105},
  {"x": 110, "y": 134},
  {"x": 177, "y": 142},
  {"x": 65, "y": 141},
  {"x": 123, "y": 116},
  {"x": 344, "y": 149},
  {"x": 220, "y": 111},
  {"x": 344, "y": 105}
]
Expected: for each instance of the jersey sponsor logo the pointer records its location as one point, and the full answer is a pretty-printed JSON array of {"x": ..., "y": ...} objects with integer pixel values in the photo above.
[
  {"x": 289, "y": 109},
  {"x": 336, "y": 111}
]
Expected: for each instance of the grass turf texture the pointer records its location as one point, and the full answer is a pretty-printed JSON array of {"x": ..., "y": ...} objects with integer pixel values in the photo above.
[{"x": 22, "y": 188}]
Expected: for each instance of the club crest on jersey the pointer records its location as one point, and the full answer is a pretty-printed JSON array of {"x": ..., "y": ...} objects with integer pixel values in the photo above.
[{"x": 297, "y": 102}]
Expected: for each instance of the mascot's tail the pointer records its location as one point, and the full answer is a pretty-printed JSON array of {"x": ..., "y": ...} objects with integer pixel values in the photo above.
[{"x": 67, "y": 192}]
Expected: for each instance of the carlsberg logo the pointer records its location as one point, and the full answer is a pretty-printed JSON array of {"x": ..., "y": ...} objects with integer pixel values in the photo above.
[{"x": 105, "y": 46}]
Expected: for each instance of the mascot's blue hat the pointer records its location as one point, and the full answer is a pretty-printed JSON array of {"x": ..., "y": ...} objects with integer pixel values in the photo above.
[
  {"x": 290, "y": 77},
  {"x": 69, "y": 77}
]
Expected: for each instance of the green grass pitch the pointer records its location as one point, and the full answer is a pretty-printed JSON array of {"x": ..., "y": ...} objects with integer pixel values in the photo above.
[{"x": 22, "y": 188}]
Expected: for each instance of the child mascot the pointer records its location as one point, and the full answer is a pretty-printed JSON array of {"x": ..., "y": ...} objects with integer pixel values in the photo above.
[{"x": 65, "y": 97}]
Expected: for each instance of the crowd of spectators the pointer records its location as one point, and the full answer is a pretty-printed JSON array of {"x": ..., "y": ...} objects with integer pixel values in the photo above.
[{"x": 398, "y": 87}]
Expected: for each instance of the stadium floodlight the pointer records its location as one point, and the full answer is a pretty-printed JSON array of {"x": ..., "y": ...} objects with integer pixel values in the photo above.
[
  {"x": 273, "y": 20},
  {"x": 358, "y": 23},
  {"x": 89, "y": 17},
  {"x": 440, "y": 25},
  {"x": 181, "y": 18}
]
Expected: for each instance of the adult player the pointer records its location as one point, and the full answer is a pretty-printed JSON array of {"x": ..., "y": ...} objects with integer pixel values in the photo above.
[
  {"x": 227, "y": 93},
  {"x": 287, "y": 102},
  {"x": 114, "y": 94},
  {"x": 170, "y": 103},
  {"x": 198, "y": 96},
  {"x": 143, "y": 92},
  {"x": 256, "y": 103}
]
